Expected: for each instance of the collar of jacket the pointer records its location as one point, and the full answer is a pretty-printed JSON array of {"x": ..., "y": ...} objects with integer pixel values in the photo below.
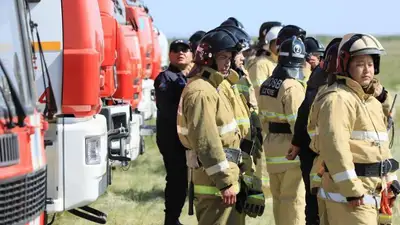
[
  {"x": 213, "y": 76},
  {"x": 233, "y": 77},
  {"x": 188, "y": 68},
  {"x": 353, "y": 85},
  {"x": 174, "y": 68}
]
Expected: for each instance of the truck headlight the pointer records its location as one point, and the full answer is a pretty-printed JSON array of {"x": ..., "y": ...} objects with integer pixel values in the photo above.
[
  {"x": 115, "y": 145},
  {"x": 92, "y": 150}
]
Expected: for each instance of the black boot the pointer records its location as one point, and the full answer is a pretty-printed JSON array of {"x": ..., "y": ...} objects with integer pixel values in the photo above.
[{"x": 171, "y": 220}]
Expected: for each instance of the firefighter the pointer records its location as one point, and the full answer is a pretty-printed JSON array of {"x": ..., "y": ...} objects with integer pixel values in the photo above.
[
  {"x": 195, "y": 39},
  {"x": 287, "y": 32},
  {"x": 168, "y": 88},
  {"x": 280, "y": 97},
  {"x": 250, "y": 152},
  {"x": 266, "y": 57},
  {"x": 207, "y": 127},
  {"x": 301, "y": 139},
  {"x": 254, "y": 139},
  {"x": 354, "y": 148},
  {"x": 315, "y": 51}
]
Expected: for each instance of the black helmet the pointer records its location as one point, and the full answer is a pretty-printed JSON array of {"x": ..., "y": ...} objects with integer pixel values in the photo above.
[
  {"x": 288, "y": 31},
  {"x": 292, "y": 53},
  {"x": 195, "y": 39},
  {"x": 314, "y": 46},
  {"x": 233, "y": 22},
  {"x": 239, "y": 33},
  {"x": 213, "y": 42},
  {"x": 265, "y": 27},
  {"x": 332, "y": 42}
]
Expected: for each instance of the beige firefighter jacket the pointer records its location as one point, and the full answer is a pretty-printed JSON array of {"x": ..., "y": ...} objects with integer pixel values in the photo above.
[
  {"x": 280, "y": 109},
  {"x": 246, "y": 88},
  {"x": 347, "y": 126},
  {"x": 206, "y": 125},
  {"x": 259, "y": 70},
  {"x": 228, "y": 87}
]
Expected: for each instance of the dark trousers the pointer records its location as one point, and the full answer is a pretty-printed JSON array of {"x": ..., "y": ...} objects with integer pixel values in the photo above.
[
  {"x": 306, "y": 159},
  {"x": 177, "y": 180}
]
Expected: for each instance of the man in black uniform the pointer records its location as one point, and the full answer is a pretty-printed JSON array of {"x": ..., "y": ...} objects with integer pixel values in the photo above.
[
  {"x": 301, "y": 139},
  {"x": 315, "y": 51},
  {"x": 168, "y": 88}
]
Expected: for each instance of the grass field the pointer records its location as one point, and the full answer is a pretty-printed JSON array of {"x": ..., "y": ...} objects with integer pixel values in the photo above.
[{"x": 136, "y": 196}]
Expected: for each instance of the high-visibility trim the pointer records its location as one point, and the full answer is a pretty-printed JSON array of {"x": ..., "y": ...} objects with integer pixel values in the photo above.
[
  {"x": 230, "y": 127},
  {"x": 297, "y": 55},
  {"x": 265, "y": 180},
  {"x": 291, "y": 117},
  {"x": 345, "y": 175},
  {"x": 243, "y": 121},
  {"x": 281, "y": 160},
  {"x": 336, "y": 197},
  {"x": 233, "y": 126},
  {"x": 48, "y": 46},
  {"x": 279, "y": 116},
  {"x": 221, "y": 166},
  {"x": 243, "y": 88},
  {"x": 257, "y": 196},
  {"x": 315, "y": 178},
  {"x": 182, "y": 130},
  {"x": 369, "y": 135},
  {"x": 211, "y": 190},
  {"x": 312, "y": 132},
  {"x": 385, "y": 219}
]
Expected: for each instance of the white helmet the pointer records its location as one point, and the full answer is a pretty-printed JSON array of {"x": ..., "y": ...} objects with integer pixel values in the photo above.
[{"x": 272, "y": 34}]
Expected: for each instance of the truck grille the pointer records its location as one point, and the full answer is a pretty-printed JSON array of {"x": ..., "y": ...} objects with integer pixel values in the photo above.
[
  {"x": 9, "y": 150},
  {"x": 23, "y": 198}
]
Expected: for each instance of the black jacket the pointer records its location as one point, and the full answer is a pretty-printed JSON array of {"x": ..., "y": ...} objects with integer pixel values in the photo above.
[
  {"x": 301, "y": 138},
  {"x": 168, "y": 87}
]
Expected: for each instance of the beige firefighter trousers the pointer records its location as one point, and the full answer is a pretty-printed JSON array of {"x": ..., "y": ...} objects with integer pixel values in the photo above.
[
  {"x": 288, "y": 194},
  {"x": 212, "y": 211},
  {"x": 344, "y": 214}
]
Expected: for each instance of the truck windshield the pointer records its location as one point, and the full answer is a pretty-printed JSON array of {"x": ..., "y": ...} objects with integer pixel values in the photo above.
[
  {"x": 14, "y": 50},
  {"x": 133, "y": 2}
]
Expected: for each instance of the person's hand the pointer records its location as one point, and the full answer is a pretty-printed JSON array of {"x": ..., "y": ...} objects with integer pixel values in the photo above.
[
  {"x": 293, "y": 152},
  {"x": 229, "y": 196}
]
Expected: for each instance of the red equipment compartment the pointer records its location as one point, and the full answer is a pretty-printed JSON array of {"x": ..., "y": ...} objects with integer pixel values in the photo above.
[
  {"x": 83, "y": 54},
  {"x": 137, "y": 14},
  {"x": 131, "y": 41},
  {"x": 110, "y": 34},
  {"x": 124, "y": 68},
  {"x": 156, "y": 66}
]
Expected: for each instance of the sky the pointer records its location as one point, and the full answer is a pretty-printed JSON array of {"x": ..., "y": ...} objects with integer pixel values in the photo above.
[{"x": 181, "y": 18}]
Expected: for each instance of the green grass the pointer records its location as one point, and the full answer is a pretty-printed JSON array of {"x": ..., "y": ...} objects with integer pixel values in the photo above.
[{"x": 136, "y": 196}]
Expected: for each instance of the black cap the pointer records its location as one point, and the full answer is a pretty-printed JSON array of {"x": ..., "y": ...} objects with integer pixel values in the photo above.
[{"x": 178, "y": 42}]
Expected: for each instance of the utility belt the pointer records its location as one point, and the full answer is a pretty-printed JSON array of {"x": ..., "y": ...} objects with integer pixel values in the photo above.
[
  {"x": 378, "y": 169},
  {"x": 232, "y": 155},
  {"x": 279, "y": 128}
]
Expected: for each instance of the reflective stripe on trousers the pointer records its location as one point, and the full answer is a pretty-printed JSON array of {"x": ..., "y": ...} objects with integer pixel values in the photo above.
[{"x": 281, "y": 160}]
